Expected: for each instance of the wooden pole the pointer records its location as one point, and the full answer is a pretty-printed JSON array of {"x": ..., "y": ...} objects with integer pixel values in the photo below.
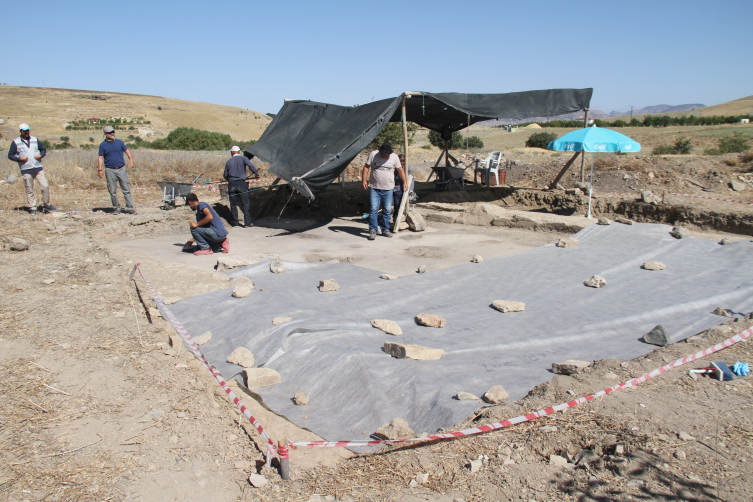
[
  {"x": 583, "y": 157},
  {"x": 282, "y": 449},
  {"x": 553, "y": 184},
  {"x": 405, "y": 133}
]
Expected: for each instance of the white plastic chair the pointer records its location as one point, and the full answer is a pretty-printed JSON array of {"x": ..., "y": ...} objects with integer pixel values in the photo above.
[{"x": 489, "y": 166}]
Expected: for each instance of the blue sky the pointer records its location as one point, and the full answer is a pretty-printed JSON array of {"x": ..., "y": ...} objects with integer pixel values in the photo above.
[{"x": 254, "y": 54}]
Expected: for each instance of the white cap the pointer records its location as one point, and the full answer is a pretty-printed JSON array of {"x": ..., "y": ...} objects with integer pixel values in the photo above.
[
  {"x": 23, "y": 127},
  {"x": 235, "y": 149}
]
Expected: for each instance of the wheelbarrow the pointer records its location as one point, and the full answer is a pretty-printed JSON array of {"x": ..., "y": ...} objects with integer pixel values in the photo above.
[{"x": 171, "y": 190}]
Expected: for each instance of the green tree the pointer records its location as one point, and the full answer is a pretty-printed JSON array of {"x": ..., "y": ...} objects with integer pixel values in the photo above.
[
  {"x": 540, "y": 139},
  {"x": 393, "y": 132},
  {"x": 456, "y": 143}
]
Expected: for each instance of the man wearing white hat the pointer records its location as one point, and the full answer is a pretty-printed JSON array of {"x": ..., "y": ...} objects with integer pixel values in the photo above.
[
  {"x": 237, "y": 188},
  {"x": 28, "y": 151},
  {"x": 111, "y": 152}
]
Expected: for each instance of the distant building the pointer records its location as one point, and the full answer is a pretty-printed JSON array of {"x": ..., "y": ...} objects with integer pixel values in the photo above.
[{"x": 745, "y": 121}]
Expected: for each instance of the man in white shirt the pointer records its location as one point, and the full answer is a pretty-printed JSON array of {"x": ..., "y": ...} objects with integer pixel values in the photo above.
[
  {"x": 28, "y": 151},
  {"x": 381, "y": 167}
]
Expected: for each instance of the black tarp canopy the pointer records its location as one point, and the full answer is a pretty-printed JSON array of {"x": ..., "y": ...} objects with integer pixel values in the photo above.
[{"x": 308, "y": 144}]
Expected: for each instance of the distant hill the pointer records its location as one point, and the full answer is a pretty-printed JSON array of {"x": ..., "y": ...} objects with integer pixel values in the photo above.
[
  {"x": 740, "y": 106},
  {"x": 48, "y": 111}
]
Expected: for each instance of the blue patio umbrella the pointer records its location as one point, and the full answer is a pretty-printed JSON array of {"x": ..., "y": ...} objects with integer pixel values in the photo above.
[{"x": 594, "y": 139}]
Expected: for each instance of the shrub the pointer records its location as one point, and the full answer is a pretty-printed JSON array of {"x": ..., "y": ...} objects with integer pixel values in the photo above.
[
  {"x": 426, "y": 147},
  {"x": 636, "y": 123},
  {"x": 712, "y": 151},
  {"x": 91, "y": 139},
  {"x": 663, "y": 150},
  {"x": 540, "y": 139},
  {"x": 64, "y": 139},
  {"x": 475, "y": 143},
  {"x": 683, "y": 146},
  {"x": 748, "y": 157},
  {"x": 456, "y": 143},
  {"x": 188, "y": 138},
  {"x": 619, "y": 123},
  {"x": 159, "y": 108},
  {"x": 737, "y": 143}
]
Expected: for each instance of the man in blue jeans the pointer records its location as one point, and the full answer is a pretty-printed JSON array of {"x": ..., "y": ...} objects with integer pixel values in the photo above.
[
  {"x": 208, "y": 232},
  {"x": 382, "y": 164}
]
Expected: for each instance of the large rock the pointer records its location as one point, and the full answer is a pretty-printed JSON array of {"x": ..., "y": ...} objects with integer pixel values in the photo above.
[
  {"x": 657, "y": 336},
  {"x": 421, "y": 269},
  {"x": 276, "y": 267},
  {"x": 648, "y": 196},
  {"x": 301, "y": 398},
  {"x": 654, "y": 265},
  {"x": 483, "y": 214},
  {"x": 624, "y": 221},
  {"x": 396, "y": 429},
  {"x": 241, "y": 292},
  {"x": 257, "y": 480},
  {"x": 389, "y": 327},
  {"x": 569, "y": 367},
  {"x": 242, "y": 357},
  {"x": 204, "y": 338},
  {"x": 603, "y": 221},
  {"x": 567, "y": 243},
  {"x": 415, "y": 221},
  {"x": 679, "y": 233},
  {"x": 737, "y": 186},
  {"x": 466, "y": 396},
  {"x": 417, "y": 352},
  {"x": 281, "y": 320},
  {"x": 596, "y": 282},
  {"x": 15, "y": 244},
  {"x": 496, "y": 395},
  {"x": 228, "y": 263},
  {"x": 328, "y": 285},
  {"x": 508, "y": 306},
  {"x": 431, "y": 320},
  {"x": 261, "y": 377}
]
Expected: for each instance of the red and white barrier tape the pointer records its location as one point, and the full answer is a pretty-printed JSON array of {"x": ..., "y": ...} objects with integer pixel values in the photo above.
[
  {"x": 271, "y": 449},
  {"x": 709, "y": 198},
  {"x": 547, "y": 411}
]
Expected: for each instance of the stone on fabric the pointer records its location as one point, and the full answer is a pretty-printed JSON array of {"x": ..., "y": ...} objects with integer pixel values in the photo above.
[
  {"x": 421, "y": 269},
  {"x": 261, "y": 377},
  {"x": 679, "y": 233},
  {"x": 654, "y": 265},
  {"x": 567, "y": 243},
  {"x": 724, "y": 241},
  {"x": 328, "y": 285},
  {"x": 431, "y": 320},
  {"x": 596, "y": 282},
  {"x": 417, "y": 352},
  {"x": 603, "y": 221},
  {"x": 396, "y": 429},
  {"x": 388, "y": 277},
  {"x": 301, "y": 398},
  {"x": 466, "y": 396},
  {"x": 720, "y": 311},
  {"x": 280, "y": 320},
  {"x": 477, "y": 259},
  {"x": 624, "y": 221},
  {"x": 508, "y": 306},
  {"x": 15, "y": 244},
  {"x": 242, "y": 357},
  {"x": 496, "y": 395},
  {"x": 657, "y": 336},
  {"x": 277, "y": 267},
  {"x": 241, "y": 292},
  {"x": 203, "y": 338},
  {"x": 389, "y": 327},
  {"x": 569, "y": 367},
  {"x": 415, "y": 221}
]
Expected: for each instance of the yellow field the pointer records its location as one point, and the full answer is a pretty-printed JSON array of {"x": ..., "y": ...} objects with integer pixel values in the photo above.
[
  {"x": 740, "y": 106},
  {"x": 47, "y": 111}
]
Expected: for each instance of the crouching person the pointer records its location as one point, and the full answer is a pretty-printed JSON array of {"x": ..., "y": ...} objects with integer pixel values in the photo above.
[{"x": 209, "y": 233}]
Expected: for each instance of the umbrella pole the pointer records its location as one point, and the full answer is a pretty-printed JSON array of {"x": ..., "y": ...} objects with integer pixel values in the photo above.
[
  {"x": 583, "y": 159},
  {"x": 591, "y": 186}
]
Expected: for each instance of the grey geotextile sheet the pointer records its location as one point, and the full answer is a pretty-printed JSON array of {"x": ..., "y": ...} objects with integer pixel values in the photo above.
[{"x": 331, "y": 352}]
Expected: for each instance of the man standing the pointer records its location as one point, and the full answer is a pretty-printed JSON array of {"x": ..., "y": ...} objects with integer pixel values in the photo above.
[
  {"x": 111, "y": 155},
  {"x": 237, "y": 188},
  {"x": 208, "y": 232},
  {"x": 28, "y": 151},
  {"x": 383, "y": 164}
]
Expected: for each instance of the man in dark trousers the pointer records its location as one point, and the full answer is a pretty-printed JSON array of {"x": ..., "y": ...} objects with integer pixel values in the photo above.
[
  {"x": 208, "y": 232},
  {"x": 237, "y": 188},
  {"x": 111, "y": 152}
]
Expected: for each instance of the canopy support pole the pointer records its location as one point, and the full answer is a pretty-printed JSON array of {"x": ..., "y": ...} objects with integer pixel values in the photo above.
[
  {"x": 406, "y": 194},
  {"x": 553, "y": 184},
  {"x": 583, "y": 158}
]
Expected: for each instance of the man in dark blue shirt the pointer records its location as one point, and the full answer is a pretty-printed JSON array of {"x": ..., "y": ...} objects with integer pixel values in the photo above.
[
  {"x": 237, "y": 188},
  {"x": 111, "y": 152},
  {"x": 208, "y": 232}
]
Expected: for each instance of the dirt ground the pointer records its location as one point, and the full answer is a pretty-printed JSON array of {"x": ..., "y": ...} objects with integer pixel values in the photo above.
[{"x": 101, "y": 402}]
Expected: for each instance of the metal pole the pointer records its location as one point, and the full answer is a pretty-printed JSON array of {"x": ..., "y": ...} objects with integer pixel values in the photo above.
[
  {"x": 583, "y": 157},
  {"x": 282, "y": 449}
]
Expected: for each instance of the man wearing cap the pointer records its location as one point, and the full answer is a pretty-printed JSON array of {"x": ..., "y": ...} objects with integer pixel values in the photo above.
[
  {"x": 383, "y": 164},
  {"x": 237, "y": 188},
  {"x": 111, "y": 155},
  {"x": 28, "y": 151}
]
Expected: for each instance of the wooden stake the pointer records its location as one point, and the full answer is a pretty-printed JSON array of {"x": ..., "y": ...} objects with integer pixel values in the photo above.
[
  {"x": 583, "y": 157},
  {"x": 564, "y": 169},
  {"x": 282, "y": 448}
]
